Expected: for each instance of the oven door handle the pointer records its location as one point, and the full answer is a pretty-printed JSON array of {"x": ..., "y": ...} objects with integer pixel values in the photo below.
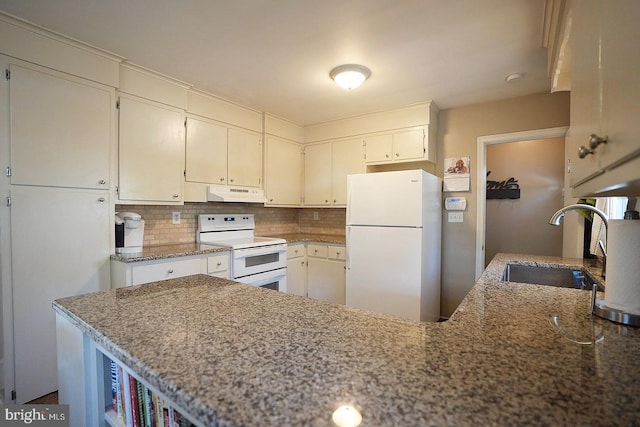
[{"x": 247, "y": 252}]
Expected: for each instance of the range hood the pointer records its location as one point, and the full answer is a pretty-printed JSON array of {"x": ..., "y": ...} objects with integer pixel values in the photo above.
[{"x": 217, "y": 193}]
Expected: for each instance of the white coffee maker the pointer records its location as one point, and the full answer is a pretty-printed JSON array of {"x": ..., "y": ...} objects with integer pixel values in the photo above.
[{"x": 129, "y": 232}]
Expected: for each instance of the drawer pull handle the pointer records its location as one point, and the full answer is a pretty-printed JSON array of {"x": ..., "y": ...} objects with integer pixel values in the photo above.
[
  {"x": 170, "y": 271},
  {"x": 101, "y": 199},
  {"x": 219, "y": 263},
  {"x": 102, "y": 182},
  {"x": 175, "y": 196}
]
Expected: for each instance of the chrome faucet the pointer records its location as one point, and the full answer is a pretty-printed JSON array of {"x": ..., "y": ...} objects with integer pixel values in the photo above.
[{"x": 556, "y": 217}]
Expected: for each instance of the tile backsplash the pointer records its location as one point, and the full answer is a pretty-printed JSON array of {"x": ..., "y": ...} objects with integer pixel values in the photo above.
[{"x": 269, "y": 221}]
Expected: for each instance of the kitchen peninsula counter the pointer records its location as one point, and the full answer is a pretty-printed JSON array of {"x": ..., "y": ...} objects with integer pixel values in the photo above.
[{"x": 232, "y": 354}]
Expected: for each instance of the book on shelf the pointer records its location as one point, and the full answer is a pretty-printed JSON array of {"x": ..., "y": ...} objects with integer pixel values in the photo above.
[{"x": 138, "y": 406}]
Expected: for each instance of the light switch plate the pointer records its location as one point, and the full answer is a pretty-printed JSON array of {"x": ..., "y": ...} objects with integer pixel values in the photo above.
[{"x": 456, "y": 217}]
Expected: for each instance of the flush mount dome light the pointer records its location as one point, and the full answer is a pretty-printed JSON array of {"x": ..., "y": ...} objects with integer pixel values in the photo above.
[{"x": 350, "y": 76}]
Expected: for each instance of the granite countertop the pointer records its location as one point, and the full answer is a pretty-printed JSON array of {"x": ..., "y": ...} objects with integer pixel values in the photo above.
[
  {"x": 232, "y": 354},
  {"x": 336, "y": 239},
  {"x": 150, "y": 253}
]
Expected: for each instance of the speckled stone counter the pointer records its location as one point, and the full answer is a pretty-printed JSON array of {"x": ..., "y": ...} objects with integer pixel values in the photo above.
[
  {"x": 335, "y": 239},
  {"x": 231, "y": 354},
  {"x": 150, "y": 253}
]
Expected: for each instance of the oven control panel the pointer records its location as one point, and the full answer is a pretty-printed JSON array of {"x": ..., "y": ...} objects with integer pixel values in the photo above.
[{"x": 225, "y": 222}]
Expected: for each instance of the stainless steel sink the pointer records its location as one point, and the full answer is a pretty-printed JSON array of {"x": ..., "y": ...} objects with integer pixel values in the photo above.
[{"x": 550, "y": 276}]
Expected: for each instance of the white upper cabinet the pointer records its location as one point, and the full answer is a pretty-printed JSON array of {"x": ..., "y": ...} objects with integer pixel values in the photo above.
[
  {"x": 151, "y": 154},
  {"x": 206, "y": 152},
  {"x": 61, "y": 129},
  {"x": 346, "y": 159},
  {"x": 217, "y": 154},
  {"x": 621, "y": 81},
  {"x": 317, "y": 174},
  {"x": 400, "y": 146},
  {"x": 326, "y": 168},
  {"x": 283, "y": 174},
  {"x": 604, "y": 94},
  {"x": 244, "y": 151}
]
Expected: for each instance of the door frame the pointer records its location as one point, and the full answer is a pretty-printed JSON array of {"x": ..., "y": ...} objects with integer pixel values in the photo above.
[{"x": 481, "y": 178}]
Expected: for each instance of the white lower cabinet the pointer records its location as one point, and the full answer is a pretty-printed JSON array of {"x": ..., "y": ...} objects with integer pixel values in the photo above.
[
  {"x": 218, "y": 265},
  {"x": 139, "y": 272},
  {"x": 297, "y": 269},
  {"x": 326, "y": 272}
]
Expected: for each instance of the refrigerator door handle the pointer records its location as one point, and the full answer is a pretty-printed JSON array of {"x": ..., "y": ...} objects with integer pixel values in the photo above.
[{"x": 348, "y": 251}]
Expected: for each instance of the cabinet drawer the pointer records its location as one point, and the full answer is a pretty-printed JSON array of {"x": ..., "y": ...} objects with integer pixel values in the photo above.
[
  {"x": 295, "y": 251},
  {"x": 165, "y": 270},
  {"x": 337, "y": 252},
  {"x": 318, "y": 251},
  {"x": 217, "y": 263}
]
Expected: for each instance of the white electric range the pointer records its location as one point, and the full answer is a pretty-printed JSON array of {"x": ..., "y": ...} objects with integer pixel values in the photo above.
[{"x": 258, "y": 261}]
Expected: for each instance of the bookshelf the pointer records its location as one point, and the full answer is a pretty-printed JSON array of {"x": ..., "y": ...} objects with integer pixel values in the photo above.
[{"x": 126, "y": 400}]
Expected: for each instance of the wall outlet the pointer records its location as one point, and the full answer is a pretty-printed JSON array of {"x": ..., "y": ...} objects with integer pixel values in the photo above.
[
  {"x": 175, "y": 217},
  {"x": 456, "y": 217},
  {"x": 316, "y": 216}
]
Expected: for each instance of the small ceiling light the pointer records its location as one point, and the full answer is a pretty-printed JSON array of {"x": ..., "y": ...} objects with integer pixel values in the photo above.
[
  {"x": 350, "y": 76},
  {"x": 514, "y": 78}
]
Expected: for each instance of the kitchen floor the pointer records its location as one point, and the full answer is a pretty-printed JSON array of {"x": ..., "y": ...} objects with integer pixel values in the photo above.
[{"x": 47, "y": 399}]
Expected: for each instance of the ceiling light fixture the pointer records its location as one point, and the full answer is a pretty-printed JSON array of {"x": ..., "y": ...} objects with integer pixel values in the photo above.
[
  {"x": 350, "y": 76},
  {"x": 514, "y": 78}
]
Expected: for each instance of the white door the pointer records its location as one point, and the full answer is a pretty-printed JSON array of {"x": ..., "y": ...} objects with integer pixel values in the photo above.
[
  {"x": 385, "y": 198},
  {"x": 60, "y": 247},
  {"x": 284, "y": 172},
  {"x": 317, "y": 174},
  {"x": 326, "y": 280},
  {"x": 244, "y": 151},
  {"x": 151, "y": 151},
  {"x": 384, "y": 270},
  {"x": 206, "y": 152},
  {"x": 346, "y": 159},
  {"x": 61, "y": 129}
]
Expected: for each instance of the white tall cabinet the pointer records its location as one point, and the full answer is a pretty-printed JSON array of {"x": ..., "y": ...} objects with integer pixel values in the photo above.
[
  {"x": 604, "y": 92},
  {"x": 58, "y": 144}
]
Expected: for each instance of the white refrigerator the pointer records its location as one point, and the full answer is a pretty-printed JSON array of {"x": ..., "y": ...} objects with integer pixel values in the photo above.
[{"x": 394, "y": 222}]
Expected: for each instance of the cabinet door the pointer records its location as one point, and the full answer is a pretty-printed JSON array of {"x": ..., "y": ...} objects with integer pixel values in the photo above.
[
  {"x": 283, "y": 180},
  {"x": 61, "y": 129},
  {"x": 408, "y": 145},
  {"x": 586, "y": 88},
  {"x": 151, "y": 158},
  {"x": 297, "y": 276},
  {"x": 379, "y": 148},
  {"x": 317, "y": 174},
  {"x": 206, "y": 152},
  {"x": 60, "y": 240},
  {"x": 326, "y": 280},
  {"x": 620, "y": 79},
  {"x": 244, "y": 158},
  {"x": 346, "y": 159}
]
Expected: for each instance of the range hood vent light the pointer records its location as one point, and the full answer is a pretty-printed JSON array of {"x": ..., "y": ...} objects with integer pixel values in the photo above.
[{"x": 235, "y": 194}]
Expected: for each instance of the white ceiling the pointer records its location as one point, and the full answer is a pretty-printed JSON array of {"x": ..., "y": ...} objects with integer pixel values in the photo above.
[{"x": 275, "y": 55}]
